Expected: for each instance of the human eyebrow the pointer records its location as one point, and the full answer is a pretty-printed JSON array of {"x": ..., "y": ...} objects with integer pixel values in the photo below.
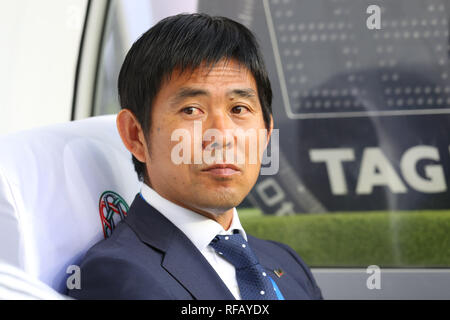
[
  {"x": 187, "y": 92},
  {"x": 243, "y": 93}
]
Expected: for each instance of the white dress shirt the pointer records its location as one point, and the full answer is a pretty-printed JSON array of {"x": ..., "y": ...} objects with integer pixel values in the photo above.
[{"x": 200, "y": 230}]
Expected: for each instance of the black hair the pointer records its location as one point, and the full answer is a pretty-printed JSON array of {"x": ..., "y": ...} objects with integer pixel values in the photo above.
[{"x": 185, "y": 42}]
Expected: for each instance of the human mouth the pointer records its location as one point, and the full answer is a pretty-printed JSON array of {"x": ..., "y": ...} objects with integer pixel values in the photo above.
[{"x": 223, "y": 170}]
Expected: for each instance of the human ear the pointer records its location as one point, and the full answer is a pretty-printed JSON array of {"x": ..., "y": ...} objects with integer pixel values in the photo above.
[
  {"x": 269, "y": 134},
  {"x": 131, "y": 133}
]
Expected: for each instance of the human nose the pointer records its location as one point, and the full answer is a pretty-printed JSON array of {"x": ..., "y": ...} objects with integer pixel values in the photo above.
[{"x": 221, "y": 128}]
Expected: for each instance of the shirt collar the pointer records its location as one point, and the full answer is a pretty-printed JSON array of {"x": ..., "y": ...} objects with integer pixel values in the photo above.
[{"x": 199, "y": 229}]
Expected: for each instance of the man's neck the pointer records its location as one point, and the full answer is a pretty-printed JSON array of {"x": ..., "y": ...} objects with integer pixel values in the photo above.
[{"x": 224, "y": 217}]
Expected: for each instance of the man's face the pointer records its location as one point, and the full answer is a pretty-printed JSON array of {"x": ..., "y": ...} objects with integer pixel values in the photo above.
[{"x": 224, "y": 98}]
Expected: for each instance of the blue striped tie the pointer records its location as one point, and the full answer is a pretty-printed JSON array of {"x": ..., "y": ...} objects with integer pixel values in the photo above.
[{"x": 253, "y": 282}]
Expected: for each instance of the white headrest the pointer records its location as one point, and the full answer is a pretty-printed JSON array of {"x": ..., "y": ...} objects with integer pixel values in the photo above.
[{"x": 51, "y": 182}]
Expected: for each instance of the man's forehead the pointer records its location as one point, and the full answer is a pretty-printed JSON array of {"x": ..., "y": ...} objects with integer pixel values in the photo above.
[{"x": 221, "y": 69}]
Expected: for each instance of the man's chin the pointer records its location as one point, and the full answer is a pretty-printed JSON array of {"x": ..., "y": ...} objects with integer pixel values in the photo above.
[{"x": 219, "y": 203}]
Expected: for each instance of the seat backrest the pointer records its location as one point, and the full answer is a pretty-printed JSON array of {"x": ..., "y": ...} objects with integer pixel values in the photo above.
[
  {"x": 62, "y": 189},
  {"x": 15, "y": 284}
]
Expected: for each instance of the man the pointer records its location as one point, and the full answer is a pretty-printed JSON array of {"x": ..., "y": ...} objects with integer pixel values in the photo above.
[{"x": 182, "y": 238}]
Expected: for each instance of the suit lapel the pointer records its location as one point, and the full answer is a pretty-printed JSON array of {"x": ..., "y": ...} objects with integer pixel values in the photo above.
[
  {"x": 181, "y": 258},
  {"x": 185, "y": 263}
]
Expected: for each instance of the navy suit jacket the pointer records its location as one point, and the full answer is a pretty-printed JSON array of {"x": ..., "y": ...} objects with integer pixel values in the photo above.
[{"x": 148, "y": 257}]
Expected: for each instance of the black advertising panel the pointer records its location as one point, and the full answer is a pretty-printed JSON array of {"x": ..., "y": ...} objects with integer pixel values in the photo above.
[{"x": 361, "y": 101}]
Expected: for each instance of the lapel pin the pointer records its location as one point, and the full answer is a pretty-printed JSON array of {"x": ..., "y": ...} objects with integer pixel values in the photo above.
[{"x": 278, "y": 272}]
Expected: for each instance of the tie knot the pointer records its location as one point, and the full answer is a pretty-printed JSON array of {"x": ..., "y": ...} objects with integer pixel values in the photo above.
[{"x": 235, "y": 249}]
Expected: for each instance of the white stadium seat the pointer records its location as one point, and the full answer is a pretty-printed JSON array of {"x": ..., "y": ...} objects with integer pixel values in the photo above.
[
  {"x": 15, "y": 284},
  {"x": 62, "y": 189}
]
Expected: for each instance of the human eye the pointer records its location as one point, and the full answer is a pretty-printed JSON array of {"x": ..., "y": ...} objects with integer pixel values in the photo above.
[
  {"x": 240, "y": 109},
  {"x": 191, "y": 110}
]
